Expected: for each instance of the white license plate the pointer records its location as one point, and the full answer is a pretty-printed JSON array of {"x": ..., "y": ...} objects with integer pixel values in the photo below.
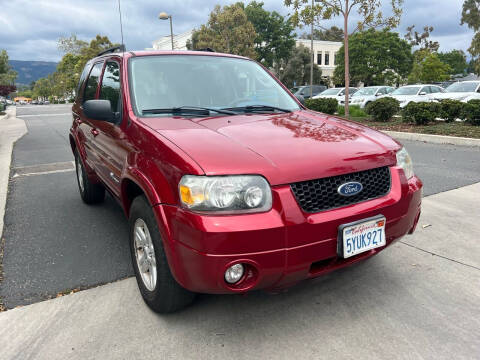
[{"x": 362, "y": 236}]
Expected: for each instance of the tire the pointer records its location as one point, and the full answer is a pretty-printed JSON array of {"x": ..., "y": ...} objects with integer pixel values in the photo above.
[
  {"x": 164, "y": 294},
  {"x": 90, "y": 193}
]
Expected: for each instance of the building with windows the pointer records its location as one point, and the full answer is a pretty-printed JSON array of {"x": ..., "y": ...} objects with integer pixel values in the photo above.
[
  {"x": 324, "y": 53},
  {"x": 179, "y": 42}
]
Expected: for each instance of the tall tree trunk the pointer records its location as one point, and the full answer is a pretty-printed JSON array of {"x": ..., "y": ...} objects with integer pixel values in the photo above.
[{"x": 347, "y": 63}]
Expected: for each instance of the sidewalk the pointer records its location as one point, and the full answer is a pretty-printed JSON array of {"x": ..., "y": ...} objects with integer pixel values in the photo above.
[
  {"x": 11, "y": 129},
  {"x": 417, "y": 299}
]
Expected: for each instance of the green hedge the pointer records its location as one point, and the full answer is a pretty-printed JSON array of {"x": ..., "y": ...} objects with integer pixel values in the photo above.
[
  {"x": 327, "y": 106},
  {"x": 452, "y": 110},
  {"x": 421, "y": 113},
  {"x": 471, "y": 112},
  {"x": 383, "y": 109}
]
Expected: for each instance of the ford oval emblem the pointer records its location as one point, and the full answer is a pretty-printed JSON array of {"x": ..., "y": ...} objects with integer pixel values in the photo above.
[{"x": 350, "y": 188}]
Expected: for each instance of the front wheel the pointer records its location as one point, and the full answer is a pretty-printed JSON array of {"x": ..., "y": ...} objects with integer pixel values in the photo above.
[{"x": 159, "y": 289}]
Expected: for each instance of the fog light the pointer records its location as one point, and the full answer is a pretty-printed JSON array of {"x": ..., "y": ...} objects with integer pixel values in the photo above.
[{"x": 234, "y": 273}]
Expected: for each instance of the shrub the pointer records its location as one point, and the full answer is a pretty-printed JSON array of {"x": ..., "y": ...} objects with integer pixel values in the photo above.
[
  {"x": 421, "y": 113},
  {"x": 355, "y": 111},
  {"x": 383, "y": 109},
  {"x": 327, "y": 106},
  {"x": 451, "y": 109},
  {"x": 471, "y": 112}
]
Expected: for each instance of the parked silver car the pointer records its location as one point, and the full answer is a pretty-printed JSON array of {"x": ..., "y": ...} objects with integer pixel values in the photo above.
[
  {"x": 463, "y": 91},
  {"x": 366, "y": 95},
  {"x": 416, "y": 93}
]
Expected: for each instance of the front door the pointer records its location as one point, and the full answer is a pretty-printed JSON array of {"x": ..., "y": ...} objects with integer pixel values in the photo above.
[{"x": 110, "y": 138}]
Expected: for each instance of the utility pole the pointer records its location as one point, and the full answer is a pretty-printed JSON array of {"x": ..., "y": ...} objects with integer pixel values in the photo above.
[{"x": 312, "y": 55}]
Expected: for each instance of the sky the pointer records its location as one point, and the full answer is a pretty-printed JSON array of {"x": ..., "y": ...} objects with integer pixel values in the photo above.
[{"x": 29, "y": 29}]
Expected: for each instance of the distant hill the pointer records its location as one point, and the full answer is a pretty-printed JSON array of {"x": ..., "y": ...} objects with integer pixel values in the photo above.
[{"x": 29, "y": 71}]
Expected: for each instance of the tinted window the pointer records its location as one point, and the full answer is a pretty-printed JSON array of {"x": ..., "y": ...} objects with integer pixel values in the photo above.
[
  {"x": 92, "y": 82},
  {"x": 110, "y": 89},
  {"x": 426, "y": 89},
  {"x": 434, "y": 89},
  {"x": 85, "y": 71}
]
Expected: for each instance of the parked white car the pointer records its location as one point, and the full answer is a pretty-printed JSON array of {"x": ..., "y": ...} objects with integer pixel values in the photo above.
[
  {"x": 463, "y": 91},
  {"x": 335, "y": 93},
  {"x": 368, "y": 94},
  {"x": 416, "y": 93}
]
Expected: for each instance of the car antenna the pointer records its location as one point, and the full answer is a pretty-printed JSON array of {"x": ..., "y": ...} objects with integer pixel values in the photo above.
[{"x": 121, "y": 26}]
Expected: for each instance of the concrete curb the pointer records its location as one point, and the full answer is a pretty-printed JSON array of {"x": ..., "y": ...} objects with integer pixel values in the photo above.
[
  {"x": 434, "y": 139},
  {"x": 11, "y": 129}
]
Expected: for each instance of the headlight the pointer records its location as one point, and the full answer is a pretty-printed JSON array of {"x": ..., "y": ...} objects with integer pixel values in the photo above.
[
  {"x": 226, "y": 194},
  {"x": 405, "y": 162}
]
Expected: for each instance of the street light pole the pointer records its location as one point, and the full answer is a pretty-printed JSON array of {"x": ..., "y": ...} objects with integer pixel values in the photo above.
[
  {"x": 171, "y": 30},
  {"x": 165, "y": 16},
  {"x": 312, "y": 57}
]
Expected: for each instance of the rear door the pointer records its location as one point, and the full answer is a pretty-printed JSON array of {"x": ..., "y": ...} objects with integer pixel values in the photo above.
[{"x": 86, "y": 126}]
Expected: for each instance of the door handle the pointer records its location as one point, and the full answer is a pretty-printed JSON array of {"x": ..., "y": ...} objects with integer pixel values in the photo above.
[{"x": 94, "y": 132}]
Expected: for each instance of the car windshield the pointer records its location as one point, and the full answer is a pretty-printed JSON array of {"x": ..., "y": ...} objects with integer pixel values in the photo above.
[
  {"x": 173, "y": 81},
  {"x": 333, "y": 91},
  {"x": 296, "y": 88},
  {"x": 366, "y": 92},
  {"x": 462, "y": 87},
  {"x": 410, "y": 90}
]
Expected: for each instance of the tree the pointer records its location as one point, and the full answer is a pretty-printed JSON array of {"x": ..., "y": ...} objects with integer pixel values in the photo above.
[
  {"x": 297, "y": 69},
  {"x": 227, "y": 30},
  {"x": 422, "y": 40},
  {"x": 71, "y": 45},
  {"x": 275, "y": 38},
  {"x": 64, "y": 80},
  {"x": 7, "y": 75},
  {"x": 332, "y": 34},
  {"x": 368, "y": 10},
  {"x": 471, "y": 17},
  {"x": 6, "y": 90},
  {"x": 377, "y": 58},
  {"x": 456, "y": 59},
  {"x": 428, "y": 68}
]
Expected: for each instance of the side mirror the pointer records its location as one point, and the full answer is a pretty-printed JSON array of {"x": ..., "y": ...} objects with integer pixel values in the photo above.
[
  {"x": 98, "y": 110},
  {"x": 422, "y": 93},
  {"x": 301, "y": 99}
]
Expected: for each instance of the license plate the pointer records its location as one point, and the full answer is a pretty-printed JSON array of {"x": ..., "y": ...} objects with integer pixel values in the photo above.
[{"x": 361, "y": 236}]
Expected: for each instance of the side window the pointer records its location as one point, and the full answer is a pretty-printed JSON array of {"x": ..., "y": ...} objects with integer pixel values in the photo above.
[
  {"x": 426, "y": 89},
  {"x": 434, "y": 89},
  {"x": 92, "y": 82},
  {"x": 85, "y": 71},
  {"x": 381, "y": 91},
  {"x": 110, "y": 88}
]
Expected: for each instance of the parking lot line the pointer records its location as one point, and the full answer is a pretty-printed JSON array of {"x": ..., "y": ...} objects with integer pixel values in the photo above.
[{"x": 44, "y": 169}]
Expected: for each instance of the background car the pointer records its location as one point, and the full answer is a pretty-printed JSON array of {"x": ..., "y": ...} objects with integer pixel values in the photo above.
[
  {"x": 335, "y": 93},
  {"x": 305, "y": 90},
  {"x": 416, "y": 93},
  {"x": 366, "y": 95},
  {"x": 463, "y": 91}
]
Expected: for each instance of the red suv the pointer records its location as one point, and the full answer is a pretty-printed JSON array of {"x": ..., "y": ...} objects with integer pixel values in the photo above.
[{"x": 229, "y": 183}]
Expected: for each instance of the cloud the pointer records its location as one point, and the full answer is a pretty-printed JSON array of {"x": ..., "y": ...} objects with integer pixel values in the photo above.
[{"x": 30, "y": 29}]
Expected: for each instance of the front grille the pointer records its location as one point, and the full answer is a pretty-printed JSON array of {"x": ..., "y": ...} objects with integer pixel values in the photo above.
[{"x": 321, "y": 194}]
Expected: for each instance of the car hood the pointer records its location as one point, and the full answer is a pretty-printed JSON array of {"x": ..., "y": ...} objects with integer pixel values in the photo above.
[
  {"x": 453, "y": 95},
  {"x": 284, "y": 148}
]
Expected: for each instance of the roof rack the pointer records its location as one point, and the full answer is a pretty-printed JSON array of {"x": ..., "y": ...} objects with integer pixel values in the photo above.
[
  {"x": 119, "y": 48},
  {"x": 206, "y": 49}
]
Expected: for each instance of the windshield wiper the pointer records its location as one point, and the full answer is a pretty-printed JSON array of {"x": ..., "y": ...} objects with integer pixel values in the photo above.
[
  {"x": 254, "y": 108},
  {"x": 192, "y": 110}
]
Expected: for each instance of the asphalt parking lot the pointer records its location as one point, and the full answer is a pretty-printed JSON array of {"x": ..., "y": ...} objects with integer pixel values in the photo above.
[
  {"x": 405, "y": 298},
  {"x": 55, "y": 243}
]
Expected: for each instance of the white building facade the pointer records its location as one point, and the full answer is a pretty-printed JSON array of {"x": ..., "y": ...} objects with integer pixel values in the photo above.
[
  {"x": 179, "y": 42},
  {"x": 324, "y": 53}
]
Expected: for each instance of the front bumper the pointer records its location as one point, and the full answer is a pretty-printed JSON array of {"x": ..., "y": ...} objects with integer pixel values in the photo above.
[{"x": 280, "y": 247}]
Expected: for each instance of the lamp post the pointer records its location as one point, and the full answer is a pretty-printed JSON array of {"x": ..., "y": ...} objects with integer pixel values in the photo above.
[
  {"x": 311, "y": 49},
  {"x": 165, "y": 16}
]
